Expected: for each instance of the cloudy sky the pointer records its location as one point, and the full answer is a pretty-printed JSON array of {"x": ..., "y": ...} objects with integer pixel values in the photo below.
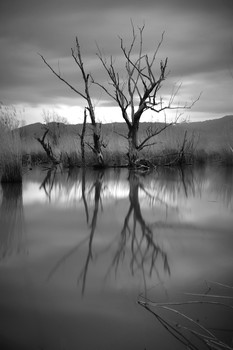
[{"x": 198, "y": 42}]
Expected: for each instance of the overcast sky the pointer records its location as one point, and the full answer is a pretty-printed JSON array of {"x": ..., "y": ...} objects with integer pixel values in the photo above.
[{"x": 198, "y": 42}]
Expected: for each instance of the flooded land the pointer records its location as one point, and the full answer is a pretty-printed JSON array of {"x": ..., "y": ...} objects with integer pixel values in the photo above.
[{"x": 102, "y": 259}]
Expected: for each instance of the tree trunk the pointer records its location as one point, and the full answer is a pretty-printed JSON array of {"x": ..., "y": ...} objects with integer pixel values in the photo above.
[
  {"x": 48, "y": 149},
  {"x": 96, "y": 134},
  {"x": 133, "y": 143},
  {"x": 97, "y": 146},
  {"x": 82, "y": 138}
]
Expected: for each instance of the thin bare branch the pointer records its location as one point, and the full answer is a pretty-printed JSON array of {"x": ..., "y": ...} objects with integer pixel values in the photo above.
[
  {"x": 157, "y": 49},
  {"x": 122, "y": 135},
  {"x": 62, "y": 79}
]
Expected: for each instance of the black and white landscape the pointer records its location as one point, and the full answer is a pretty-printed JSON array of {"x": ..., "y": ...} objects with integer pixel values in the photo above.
[{"x": 116, "y": 175}]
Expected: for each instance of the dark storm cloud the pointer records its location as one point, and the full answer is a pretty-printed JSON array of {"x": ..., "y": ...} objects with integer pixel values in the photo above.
[
  {"x": 34, "y": 6},
  {"x": 198, "y": 36}
]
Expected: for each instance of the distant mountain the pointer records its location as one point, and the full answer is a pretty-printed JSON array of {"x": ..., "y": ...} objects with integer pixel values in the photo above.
[
  {"x": 213, "y": 134},
  {"x": 210, "y": 135}
]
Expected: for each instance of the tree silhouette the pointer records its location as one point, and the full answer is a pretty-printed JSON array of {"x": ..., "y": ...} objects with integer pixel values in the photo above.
[
  {"x": 137, "y": 91},
  {"x": 86, "y": 95}
]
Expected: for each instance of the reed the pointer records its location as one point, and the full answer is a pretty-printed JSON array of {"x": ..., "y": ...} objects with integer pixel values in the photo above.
[
  {"x": 227, "y": 156},
  {"x": 10, "y": 156},
  {"x": 68, "y": 150}
]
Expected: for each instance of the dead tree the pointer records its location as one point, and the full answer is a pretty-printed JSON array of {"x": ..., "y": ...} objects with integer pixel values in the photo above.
[
  {"x": 47, "y": 147},
  {"x": 137, "y": 91},
  {"x": 85, "y": 94},
  {"x": 82, "y": 136}
]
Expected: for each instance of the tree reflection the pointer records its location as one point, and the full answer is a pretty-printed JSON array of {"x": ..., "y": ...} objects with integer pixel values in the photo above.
[
  {"x": 137, "y": 244},
  {"x": 11, "y": 221},
  {"x": 97, "y": 186},
  {"x": 139, "y": 235},
  {"x": 48, "y": 182},
  {"x": 95, "y": 189},
  {"x": 84, "y": 194}
]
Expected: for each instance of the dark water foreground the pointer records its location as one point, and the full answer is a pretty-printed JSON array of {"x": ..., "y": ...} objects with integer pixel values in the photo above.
[{"x": 79, "y": 249}]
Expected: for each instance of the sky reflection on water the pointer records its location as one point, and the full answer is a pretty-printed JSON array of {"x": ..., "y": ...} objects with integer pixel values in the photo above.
[{"x": 87, "y": 243}]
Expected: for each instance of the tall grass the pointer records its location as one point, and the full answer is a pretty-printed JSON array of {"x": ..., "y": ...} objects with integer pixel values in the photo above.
[
  {"x": 167, "y": 149},
  {"x": 10, "y": 155},
  {"x": 115, "y": 154}
]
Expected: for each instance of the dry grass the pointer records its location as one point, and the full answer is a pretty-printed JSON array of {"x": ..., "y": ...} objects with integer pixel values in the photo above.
[
  {"x": 166, "y": 151},
  {"x": 115, "y": 153},
  {"x": 10, "y": 156}
]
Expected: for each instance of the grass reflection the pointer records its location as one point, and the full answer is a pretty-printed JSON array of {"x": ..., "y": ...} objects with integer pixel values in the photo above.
[{"x": 12, "y": 230}]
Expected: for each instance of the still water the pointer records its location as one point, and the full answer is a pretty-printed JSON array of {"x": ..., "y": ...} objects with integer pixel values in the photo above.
[{"x": 79, "y": 249}]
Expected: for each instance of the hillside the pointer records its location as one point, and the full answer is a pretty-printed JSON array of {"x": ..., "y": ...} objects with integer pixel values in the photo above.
[{"x": 211, "y": 135}]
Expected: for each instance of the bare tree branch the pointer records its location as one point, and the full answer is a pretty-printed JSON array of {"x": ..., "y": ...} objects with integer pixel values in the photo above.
[
  {"x": 62, "y": 79},
  {"x": 153, "y": 134}
]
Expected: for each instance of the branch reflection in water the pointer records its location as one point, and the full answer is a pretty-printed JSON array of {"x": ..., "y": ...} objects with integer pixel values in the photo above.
[
  {"x": 137, "y": 246},
  {"x": 48, "y": 182},
  {"x": 145, "y": 251},
  {"x": 96, "y": 188}
]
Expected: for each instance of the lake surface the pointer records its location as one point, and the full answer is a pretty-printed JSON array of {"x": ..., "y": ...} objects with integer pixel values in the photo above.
[{"x": 78, "y": 249}]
